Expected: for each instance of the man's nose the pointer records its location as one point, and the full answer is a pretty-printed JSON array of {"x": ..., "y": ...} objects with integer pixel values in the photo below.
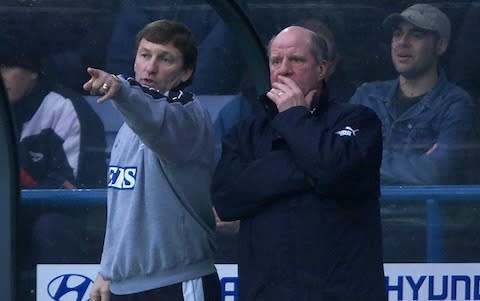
[
  {"x": 285, "y": 68},
  {"x": 402, "y": 39},
  {"x": 151, "y": 66}
]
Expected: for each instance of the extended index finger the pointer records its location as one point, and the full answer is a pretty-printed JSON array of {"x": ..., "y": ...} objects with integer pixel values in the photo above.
[{"x": 94, "y": 73}]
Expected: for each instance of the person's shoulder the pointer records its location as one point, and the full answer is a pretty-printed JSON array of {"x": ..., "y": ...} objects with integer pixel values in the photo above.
[
  {"x": 248, "y": 126},
  {"x": 352, "y": 110},
  {"x": 73, "y": 103},
  {"x": 66, "y": 92},
  {"x": 57, "y": 101},
  {"x": 70, "y": 97},
  {"x": 350, "y": 107},
  {"x": 459, "y": 93},
  {"x": 376, "y": 85},
  {"x": 371, "y": 92},
  {"x": 180, "y": 96}
]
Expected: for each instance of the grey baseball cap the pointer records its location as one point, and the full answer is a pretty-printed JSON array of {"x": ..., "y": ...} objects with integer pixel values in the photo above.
[{"x": 424, "y": 16}]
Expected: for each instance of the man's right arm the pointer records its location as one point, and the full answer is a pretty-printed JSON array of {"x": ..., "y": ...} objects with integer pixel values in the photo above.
[
  {"x": 444, "y": 159},
  {"x": 445, "y": 162}
]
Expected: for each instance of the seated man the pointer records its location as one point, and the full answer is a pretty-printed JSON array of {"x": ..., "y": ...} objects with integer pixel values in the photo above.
[
  {"x": 428, "y": 122},
  {"x": 61, "y": 144},
  {"x": 61, "y": 141}
]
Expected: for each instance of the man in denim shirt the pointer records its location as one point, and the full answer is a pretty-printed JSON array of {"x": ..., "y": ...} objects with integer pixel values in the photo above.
[{"x": 428, "y": 122}]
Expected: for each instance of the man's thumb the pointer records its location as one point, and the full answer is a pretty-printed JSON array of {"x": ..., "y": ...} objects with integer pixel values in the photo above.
[{"x": 309, "y": 96}]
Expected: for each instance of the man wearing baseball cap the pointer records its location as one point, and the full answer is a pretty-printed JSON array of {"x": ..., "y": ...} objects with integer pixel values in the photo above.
[
  {"x": 424, "y": 16},
  {"x": 427, "y": 120}
]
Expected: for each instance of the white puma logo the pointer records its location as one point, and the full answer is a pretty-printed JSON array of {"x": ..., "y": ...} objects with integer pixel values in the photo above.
[{"x": 348, "y": 131}]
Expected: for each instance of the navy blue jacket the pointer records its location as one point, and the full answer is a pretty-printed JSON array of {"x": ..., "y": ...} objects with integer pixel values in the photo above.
[{"x": 305, "y": 185}]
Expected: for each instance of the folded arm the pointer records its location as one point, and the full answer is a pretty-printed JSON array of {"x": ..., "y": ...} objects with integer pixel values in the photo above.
[
  {"x": 243, "y": 184},
  {"x": 334, "y": 153}
]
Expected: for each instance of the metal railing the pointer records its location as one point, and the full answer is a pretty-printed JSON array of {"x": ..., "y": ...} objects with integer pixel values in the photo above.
[{"x": 432, "y": 197}]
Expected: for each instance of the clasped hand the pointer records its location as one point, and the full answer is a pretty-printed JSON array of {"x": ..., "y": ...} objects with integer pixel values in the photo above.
[{"x": 285, "y": 93}]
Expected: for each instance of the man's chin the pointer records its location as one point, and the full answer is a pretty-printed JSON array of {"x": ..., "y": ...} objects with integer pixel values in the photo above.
[{"x": 408, "y": 73}]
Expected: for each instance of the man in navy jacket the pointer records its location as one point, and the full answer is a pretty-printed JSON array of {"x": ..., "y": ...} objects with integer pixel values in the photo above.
[{"x": 303, "y": 179}]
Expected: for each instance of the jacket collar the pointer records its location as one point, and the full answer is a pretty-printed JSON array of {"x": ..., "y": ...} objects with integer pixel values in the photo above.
[
  {"x": 427, "y": 101},
  {"x": 429, "y": 97},
  {"x": 174, "y": 95},
  {"x": 320, "y": 101}
]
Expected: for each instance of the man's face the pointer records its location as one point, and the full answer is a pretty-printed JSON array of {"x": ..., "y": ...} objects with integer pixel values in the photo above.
[
  {"x": 18, "y": 81},
  {"x": 159, "y": 66},
  {"x": 414, "y": 51},
  {"x": 291, "y": 56}
]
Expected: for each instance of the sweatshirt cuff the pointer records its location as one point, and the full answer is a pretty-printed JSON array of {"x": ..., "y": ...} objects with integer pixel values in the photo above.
[{"x": 122, "y": 94}]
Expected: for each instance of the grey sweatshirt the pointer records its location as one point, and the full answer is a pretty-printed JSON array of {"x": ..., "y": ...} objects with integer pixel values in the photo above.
[{"x": 160, "y": 225}]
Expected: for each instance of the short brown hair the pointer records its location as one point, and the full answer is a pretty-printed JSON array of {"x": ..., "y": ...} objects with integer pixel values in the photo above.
[{"x": 168, "y": 31}]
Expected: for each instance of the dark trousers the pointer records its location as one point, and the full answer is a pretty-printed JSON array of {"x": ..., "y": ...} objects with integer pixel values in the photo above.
[{"x": 174, "y": 292}]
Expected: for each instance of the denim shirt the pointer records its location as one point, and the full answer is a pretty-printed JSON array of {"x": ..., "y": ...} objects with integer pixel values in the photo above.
[{"x": 429, "y": 143}]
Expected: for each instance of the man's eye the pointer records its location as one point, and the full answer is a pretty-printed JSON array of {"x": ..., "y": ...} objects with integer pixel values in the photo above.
[
  {"x": 166, "y": 59},
  {"x": 418, "y": 35},
  {"x": 275, "y": 62}
]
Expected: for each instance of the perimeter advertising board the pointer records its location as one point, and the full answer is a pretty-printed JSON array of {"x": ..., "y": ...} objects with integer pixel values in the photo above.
[{"x": 404, "y": 282}]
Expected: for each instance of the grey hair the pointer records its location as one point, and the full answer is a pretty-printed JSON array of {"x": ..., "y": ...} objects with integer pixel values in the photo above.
[{"x": 319, "y": 46}]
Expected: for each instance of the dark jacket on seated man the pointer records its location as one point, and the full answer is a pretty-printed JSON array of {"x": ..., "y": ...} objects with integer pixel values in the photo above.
[{"x": 60, "y": 138}]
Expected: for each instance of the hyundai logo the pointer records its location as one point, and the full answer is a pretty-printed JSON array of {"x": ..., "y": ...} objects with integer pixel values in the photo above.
[{"x": 69, "y": 287}]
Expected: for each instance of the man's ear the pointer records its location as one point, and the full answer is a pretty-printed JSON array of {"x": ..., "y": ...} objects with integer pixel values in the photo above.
[
  {"x": 186, "y": 75},
  {"x": 322, "y": 70},
  {"x": 442, "y": 45},
  {"x": 332, "y": 66}
]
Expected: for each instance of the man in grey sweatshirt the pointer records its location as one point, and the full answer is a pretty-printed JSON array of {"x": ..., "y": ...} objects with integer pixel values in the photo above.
[{"x": 159, "y": 242}]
